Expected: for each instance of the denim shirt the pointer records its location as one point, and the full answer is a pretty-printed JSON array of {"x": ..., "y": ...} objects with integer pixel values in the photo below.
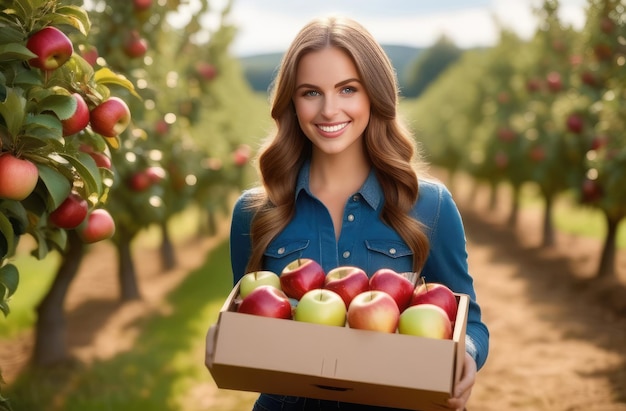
[{"x": 367, "y": 242}]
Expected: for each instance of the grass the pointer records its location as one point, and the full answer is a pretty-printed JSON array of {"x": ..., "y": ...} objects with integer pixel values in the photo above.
[{"x": 161, "y": 370}]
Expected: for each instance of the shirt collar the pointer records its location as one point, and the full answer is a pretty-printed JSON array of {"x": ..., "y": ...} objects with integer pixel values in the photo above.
[{"x": 371, "y": 191}]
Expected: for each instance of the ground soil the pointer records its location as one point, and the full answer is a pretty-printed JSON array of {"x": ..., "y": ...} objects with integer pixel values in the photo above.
[{"x": 558, "y": 340}]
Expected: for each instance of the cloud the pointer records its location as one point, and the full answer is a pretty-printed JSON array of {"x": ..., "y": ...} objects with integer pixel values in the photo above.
[{"x": 270, "y": 25}]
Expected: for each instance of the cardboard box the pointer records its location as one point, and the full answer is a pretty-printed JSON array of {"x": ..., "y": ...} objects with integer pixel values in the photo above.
[{"x": 275, "y": 356}]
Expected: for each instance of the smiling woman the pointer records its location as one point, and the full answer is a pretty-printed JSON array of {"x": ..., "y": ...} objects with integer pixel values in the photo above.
[{"x": 342, "y": 185}]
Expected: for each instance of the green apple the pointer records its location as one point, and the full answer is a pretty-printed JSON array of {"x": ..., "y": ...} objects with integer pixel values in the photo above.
[
  {"x": 252, "y": 280},
  {"x": 425, "y": 320},
  {"x": 321, "y": 306}
]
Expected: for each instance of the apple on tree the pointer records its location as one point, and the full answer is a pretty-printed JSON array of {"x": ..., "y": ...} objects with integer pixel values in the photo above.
[
  {"x": 266, "y": 301},
  {"x": 254, "y": 279},
  {"x": 101, "y": 159},
  {"x": 373, "y": 310},
  {"x": 347, "y": 281},
  {"x": 300, "y": 276},
  {"x": 18, "y": 177},
  {"x": 98, "y": 226},
  {"x": 79, "y": 120},
  {"x": 321, "y": 306},
  {"x": 52, "y": 47},
  {"x": 135, "y": 46},
  {"x": 437, "y": 294},
  {"x": 394, "y": 284},
  {"x": 71, "y": 213},
  {"x": 425, "y": 320},
  {"x": 110, "y": 118}
]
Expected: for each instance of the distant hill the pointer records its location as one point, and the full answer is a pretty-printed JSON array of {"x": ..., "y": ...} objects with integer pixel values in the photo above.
[{"x": 260, "y": 69}]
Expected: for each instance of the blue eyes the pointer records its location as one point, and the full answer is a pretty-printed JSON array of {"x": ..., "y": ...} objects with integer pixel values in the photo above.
[{"x": 315, "y": 93}]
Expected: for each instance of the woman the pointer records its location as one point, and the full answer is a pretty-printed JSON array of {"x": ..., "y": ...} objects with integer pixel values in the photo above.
[{"x": 340, "y": 185}]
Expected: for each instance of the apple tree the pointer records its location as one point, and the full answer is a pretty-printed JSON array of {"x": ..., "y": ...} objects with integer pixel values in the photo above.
[
  {"x": 601, "y": 125},
  {"x": 547, "y": 70},
  {"x": 56, "y": 134}
]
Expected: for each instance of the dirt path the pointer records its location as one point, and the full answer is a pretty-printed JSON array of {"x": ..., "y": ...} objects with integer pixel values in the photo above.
[{"x": 554, "y": 343}]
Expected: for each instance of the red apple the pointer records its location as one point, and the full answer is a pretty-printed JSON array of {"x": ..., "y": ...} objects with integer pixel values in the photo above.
[
  {"x": 437, "y": 294},
  {"x": 141, "y": 5},
  {"x": 394, "y": 284},
  {"x": 110, "y": 118},
  {"x": 90, "y": 54},
  {"x": 266, "y": 301},
  {"x": 533, "y": 84},
  {"x": 135, "y": 46},
  {"x": 52, "y": 47},
  {"x": 505, "y": 134},
  {"x": 375, "y": 311},
  {"x": 155, "y": 173},
  {"x": 139, "y": 181},
  {"x": 255, "y": 279},
  {"x": 241, "y": 155},
  {"x": 18, "y": 177},
  {"x": 98, "y": 226},
  {"x": 537, "y": 154},
  {"x": 502, "y": 160},
  {"x": 575, "y": 123},
  {"x": 321, "y": 306},
  {"x": 300, "y": 276},
  {"x": 206, "y": 70},
  {"x": 425, "y": 320},
  {"x": 79, "y": 120},
  {"x": 553, "y": 79},
  {"x": 101, "y": 159},
  {"x": 347, "y": 281},
  {"x": 70, "y": 213}
]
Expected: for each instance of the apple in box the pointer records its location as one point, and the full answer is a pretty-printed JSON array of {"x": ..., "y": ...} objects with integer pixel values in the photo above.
[
  {"x": 347, "y": 281},
  {"x": 321, "y": 306},
  {"x": 425, "y": 320},
  {"x": 300, "y": 276},
  {"x": 254, "y": 279},
  {"x": 373, "y": 310},
  {"x": 266, "y": 301},
  {"x": 394, "y": 284},
  {"x": 437, "y": 294}
]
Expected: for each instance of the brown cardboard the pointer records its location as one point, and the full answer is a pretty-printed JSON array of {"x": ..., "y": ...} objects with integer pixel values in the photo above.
[{"x": 253, "y": 353}]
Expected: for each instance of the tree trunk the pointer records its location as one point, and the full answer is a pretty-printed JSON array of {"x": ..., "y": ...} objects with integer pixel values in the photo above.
[
  {"x": 168, "y": 259},
  {"x": 514, "y": 212},
  {"x": 607, "y": 265},
  {"x": 129, "y": 290},
  {"x": 493, "y": 195},
  {"x": 548, "y": 228},
  {"x": 50, "y": 343}
]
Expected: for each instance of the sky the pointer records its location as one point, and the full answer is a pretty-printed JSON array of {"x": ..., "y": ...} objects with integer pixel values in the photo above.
[{"x": 266, "y": 26}]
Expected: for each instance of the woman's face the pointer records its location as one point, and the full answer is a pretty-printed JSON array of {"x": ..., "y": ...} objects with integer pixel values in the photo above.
[{"x": 331, "y": 103}]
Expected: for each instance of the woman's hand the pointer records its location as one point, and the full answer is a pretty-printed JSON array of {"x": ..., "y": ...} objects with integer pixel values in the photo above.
[{"x": 463, "y": 389}]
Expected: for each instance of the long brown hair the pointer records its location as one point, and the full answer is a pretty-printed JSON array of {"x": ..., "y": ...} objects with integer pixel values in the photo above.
[{"x": 389, "y": 145}]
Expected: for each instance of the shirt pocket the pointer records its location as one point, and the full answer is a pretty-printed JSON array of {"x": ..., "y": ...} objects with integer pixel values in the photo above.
[
  {"x": 388, "y": 254},
  {"x": 278, "y": 255}
]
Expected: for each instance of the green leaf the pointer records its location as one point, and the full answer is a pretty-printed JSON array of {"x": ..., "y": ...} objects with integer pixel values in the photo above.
[
  {"x": 76, "y": 17},
  {"x": 12, "y": 110},
  {"x": 15, "y": 210},
  {"x": 57, "y": 184},
  {"x": 44, "y": 126},
  {"x": 63, "y": 105},
  {"x": 87, "y": 170},
  {"x": 42, "y": 247},
  {"x": 106, "y": 76},
  {"x": 28, "y": 78},
  {"x": 10, "y": 277},
  {"x": 57, "y": 239},
  {"x": 10, "y": 34},
  {"x": 6, "y": 230},
  {"x": 13, "y": 51}
]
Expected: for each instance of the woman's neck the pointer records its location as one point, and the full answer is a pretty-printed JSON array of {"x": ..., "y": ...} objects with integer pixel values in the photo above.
[{"x": 337, "y": 174}]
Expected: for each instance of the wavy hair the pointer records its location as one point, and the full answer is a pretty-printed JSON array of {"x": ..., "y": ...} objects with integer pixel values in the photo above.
[{"x": 390, "y": 147}]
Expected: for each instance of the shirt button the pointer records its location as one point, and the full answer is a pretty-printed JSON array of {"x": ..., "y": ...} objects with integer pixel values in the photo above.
[
  {"x": 346, "y": 254},
  {"x": 351, "y": 218},
  {"x": 281, "y": 250},
  {"x": 355, "y": 197},
  {"x": 392, "y": 251}
]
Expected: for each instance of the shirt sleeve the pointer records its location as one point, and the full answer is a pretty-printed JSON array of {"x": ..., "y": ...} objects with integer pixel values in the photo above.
[
  {"x": 447, "y": 264},
  {"x": 240, "y": 244}
]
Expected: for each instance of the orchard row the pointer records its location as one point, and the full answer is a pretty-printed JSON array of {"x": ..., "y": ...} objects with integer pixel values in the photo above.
[{"x": 550, "y": 111}]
